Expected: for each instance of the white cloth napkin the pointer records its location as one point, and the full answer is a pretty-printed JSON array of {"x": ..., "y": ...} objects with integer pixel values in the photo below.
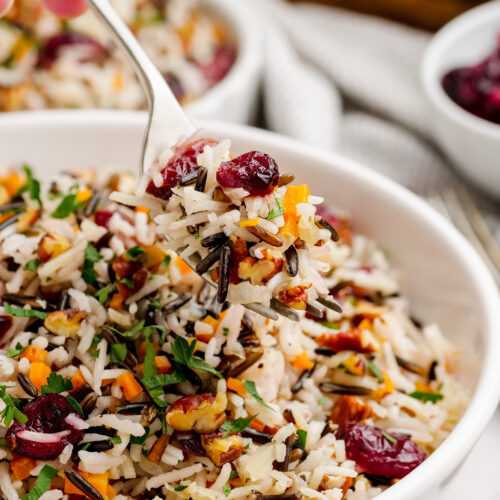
[{"x": 350, "y": 83}]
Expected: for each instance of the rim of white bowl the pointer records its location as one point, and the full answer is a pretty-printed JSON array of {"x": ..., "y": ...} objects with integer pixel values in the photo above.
[
  {"x": 450, "y": 454},
  {"x": 242, "y": 22},
  {"x": 430, "y": 67}
]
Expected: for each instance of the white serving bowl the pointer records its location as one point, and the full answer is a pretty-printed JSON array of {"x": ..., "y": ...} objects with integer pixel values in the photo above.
[
  {"x": 235, "y": 97},
  {"x": 471, "y": 143},
  {"x": 442, "y": 275}
]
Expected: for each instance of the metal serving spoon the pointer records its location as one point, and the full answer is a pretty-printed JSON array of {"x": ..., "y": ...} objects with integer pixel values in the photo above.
[{"x": 168, "y": 124}]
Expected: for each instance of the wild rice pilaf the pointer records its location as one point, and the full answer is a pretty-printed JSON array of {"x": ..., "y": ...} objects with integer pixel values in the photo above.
[
  {"x": 46, "y": 62},
  {"x": 123, "y": 376}
]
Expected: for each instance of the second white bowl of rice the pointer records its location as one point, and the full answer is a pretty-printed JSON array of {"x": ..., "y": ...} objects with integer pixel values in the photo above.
[{"x": 441, "y": 275}]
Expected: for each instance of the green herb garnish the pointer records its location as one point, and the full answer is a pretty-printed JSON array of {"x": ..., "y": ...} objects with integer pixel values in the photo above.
[
  {"x": 233, "y": 474},
  {"x": 12, "y": 353},
  {"x": 155, "y": 304},
  {"x": 91, "y": 257},
  {"x": 68, "y": 204},
  {"x": 182, "y": 487},
  {"x": 57, "y": 383},
  {"x": 74, "y": 403},
  {"x": 183, "y": 355},
  {"x": 42, "y": 483},
  {"x": 328, "y": 324},
  {"x": 322, "y": 400},
  {"x": 118, "y": 353},
  {"x": 102, "y": 294},
  {"x": 19, "y": 312},
  {"x": 389, "y": 438},
  {"x": 12, "y": 410},
  {"x": 236, "y": 426},
  {"x": 135, "y": 254},
  {"x": 130, "y": 333},
  {"x": 226, "y": 489},
  {"x": 302, "y": 437},
  {"x": 166, "y": 261},
  {"x": 276, "y": 212},
  {"x": 127, "y": 282},
  {"x": 32, "y": 186},
  {"x": 140, "y": 439},
  {"x": 116, "y": 440},
  {"x": 374, "y": 369},
  {"x": 433, "y": 397},
  {"x": 252, "y": 390},
  {"x": 32, "y": 265}
]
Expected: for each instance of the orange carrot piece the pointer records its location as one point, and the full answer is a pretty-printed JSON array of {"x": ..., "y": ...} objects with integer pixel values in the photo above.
[
  {"x": 110, "y": 492},
  {"x": 293, "y": 196},
  {"x": 99, "y": 481},
  {"x": 34, "y": 353},
  {"x": 236, "y": 385},
  {"x": 142, "y": 209},
  {"x": 257, "y": 424},
  {"x": 39, "y": 373},
  {"x": 162, "y": 365},
  {"x": 302, "y": 361},
  {"x": 129, "y": 385},
  {"x": 22, "y": 467},
  {"x": 183, "y": 267},
  {"x": 78, "y": 380}
]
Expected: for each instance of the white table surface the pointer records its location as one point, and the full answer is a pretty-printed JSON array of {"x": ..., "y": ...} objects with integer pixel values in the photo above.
[{"x": 479, "y": 476}]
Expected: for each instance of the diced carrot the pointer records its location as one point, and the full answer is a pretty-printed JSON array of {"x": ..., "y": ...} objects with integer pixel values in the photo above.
[
  {"x": 22, "y": 467},
  {"x": 365, "y": 324},
  {"x": 293, "y": 196},
  {"x": 34, "y": 353},
  {"x": 163, "y": 365},
  {"x": 420, "y": 386},
  {"x": 83, "y": 195},
  {"x": 182, "y": 266},
  {"x": 257, "y": 424},
  {"x": 39, "y": 373},
  {"x": 110, "y": 492},
  {"x": 155, "y": 256},
  {"x": 142, "y": 209},
  {"x": 13, "y": 183},
  {"x": 117, "y": 301},
  {"x": 78, "y": 380},
  {"x": 142, "y": 348},
  {"x": 291, "y": 227},
  {"x": 249, "y": 222},
  {"x": 129, "y": 385},
  {"x": 107, "y": 381},
  {"x": 388, "y": 387},
  {"x": 118, "y": 81},
  {"x": 99, "y": 481},
  {"x": 204, "y": 337},
  {"x": 236, "y": 385},
  {"x": 302, "y": 361}
]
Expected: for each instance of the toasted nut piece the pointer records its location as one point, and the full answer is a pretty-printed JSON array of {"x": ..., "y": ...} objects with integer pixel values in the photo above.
[
  {"x": 222, "y": 449},
  {"x": 350, "y": 409},
  {"x": 156, "y": 451},
  {"x": 27, "y": 219},
  {"x": 295, "y": 297},
  {"x": 52, "y": 245},
  {"x": 353, "y": 340},
  {"x": 259, "y": 272},
  {"x": 4, "y": 195},
  {"x": 203, "y": 413},
  {"x": 65, "y": 322},
  {"x": 155, "y": 256}
]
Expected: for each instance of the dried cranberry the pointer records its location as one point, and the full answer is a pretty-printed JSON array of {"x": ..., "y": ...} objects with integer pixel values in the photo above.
[
  {"x": 254, "y": 171},
  {"x": 52, "y": 424},
  {"x": 102, "y": 217},
  {"x": 378, "y": 454},
  {"x": 54, "y": 45},
  {"x": 182, "y": 162},
  {"x": 220, "y": 65},
  {"x": 5, "y": 325},
  {"x": 477, "y": 88},
  {"x": 189, "y": 442}
]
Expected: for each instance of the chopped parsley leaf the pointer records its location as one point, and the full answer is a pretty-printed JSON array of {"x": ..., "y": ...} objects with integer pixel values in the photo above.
[
  {"x": 166, "y": 261},
  {"x": 118, "y": 353},
  {"x": 183, "y": 355},
  {"x": 68, "y": 204},
  {"x": 322, "y": 400},
  {"x": 374, "y": 369},
  {"x": 57, "y": 383},
  {"x": 433, "y": 397},
  {"x": 226, "y": 489},
  {"x": 181, "y": 487},
  {"x": 302, "y": 437},
  {"x": 32, "y": 186},
  {"x": 276, "y": 212},
  {"x": 32, "y": 265},
  {"x": 252, "y": 390},
  {"x": 127, "y": 282},
  {"x": 42, "y": 483},
  {"x": 12, "y": 410},
  {"x": 12, "y": 353},
  {"x": 140, "y": 439},
  {"x": 74, "y": 403},
  {"x": 389, "y": 438},
  {"x": 102, "y": 294},
  {"x": 19, "y": 312},
  {"x": 236, "y": 426},
  {"x": 91, "y": 257},
  {"x": 135, "y": 254}
]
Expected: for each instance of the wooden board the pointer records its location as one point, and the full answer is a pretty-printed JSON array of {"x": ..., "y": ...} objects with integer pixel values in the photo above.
[{"x": 425, "y": 14}]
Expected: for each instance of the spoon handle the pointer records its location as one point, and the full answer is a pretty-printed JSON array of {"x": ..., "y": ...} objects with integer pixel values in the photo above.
[{"x": 167, "y": 121}]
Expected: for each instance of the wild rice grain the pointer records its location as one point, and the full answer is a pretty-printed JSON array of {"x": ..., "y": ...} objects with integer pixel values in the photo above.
[
  {"x": 292, "y": 261},
  {"x": 224, "y": 270},
  {"x": 177, "y": 303},
  {"x": 201, "y": 181},
  {"x": 214, "y": 240},
  {"x": 27, "y": 386},
  {"x": 83, "y": 485},
  {"x": 206, "y": 263},
  {"x": 326, "y": 225},
  {"x": 353, "y": 390}
]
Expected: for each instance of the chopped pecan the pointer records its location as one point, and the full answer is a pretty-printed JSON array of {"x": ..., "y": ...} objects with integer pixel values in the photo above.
[
  {"x": 259, "y": 272},
  {"x": 203, "y": 413},
  {"x": 65, "y": 322},
  {"x": 132, "y": 274},
  {"x": 156, "y": 451},
  {"x": 351, "y": 340},
  {"x": 52, "y": 245},
  {"x": 222, "y": 449},
  {"x": 295, "y": 297},
  {"x": 27, "y": 219},
  {"x": 350, "y": 409}
]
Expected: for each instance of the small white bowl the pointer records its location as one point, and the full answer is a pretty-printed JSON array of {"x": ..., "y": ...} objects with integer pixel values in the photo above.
[
  {"x": 443, "y": 277},
  {"x": 235, "y": 97},
  {"x": 471, "y": 143}
]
